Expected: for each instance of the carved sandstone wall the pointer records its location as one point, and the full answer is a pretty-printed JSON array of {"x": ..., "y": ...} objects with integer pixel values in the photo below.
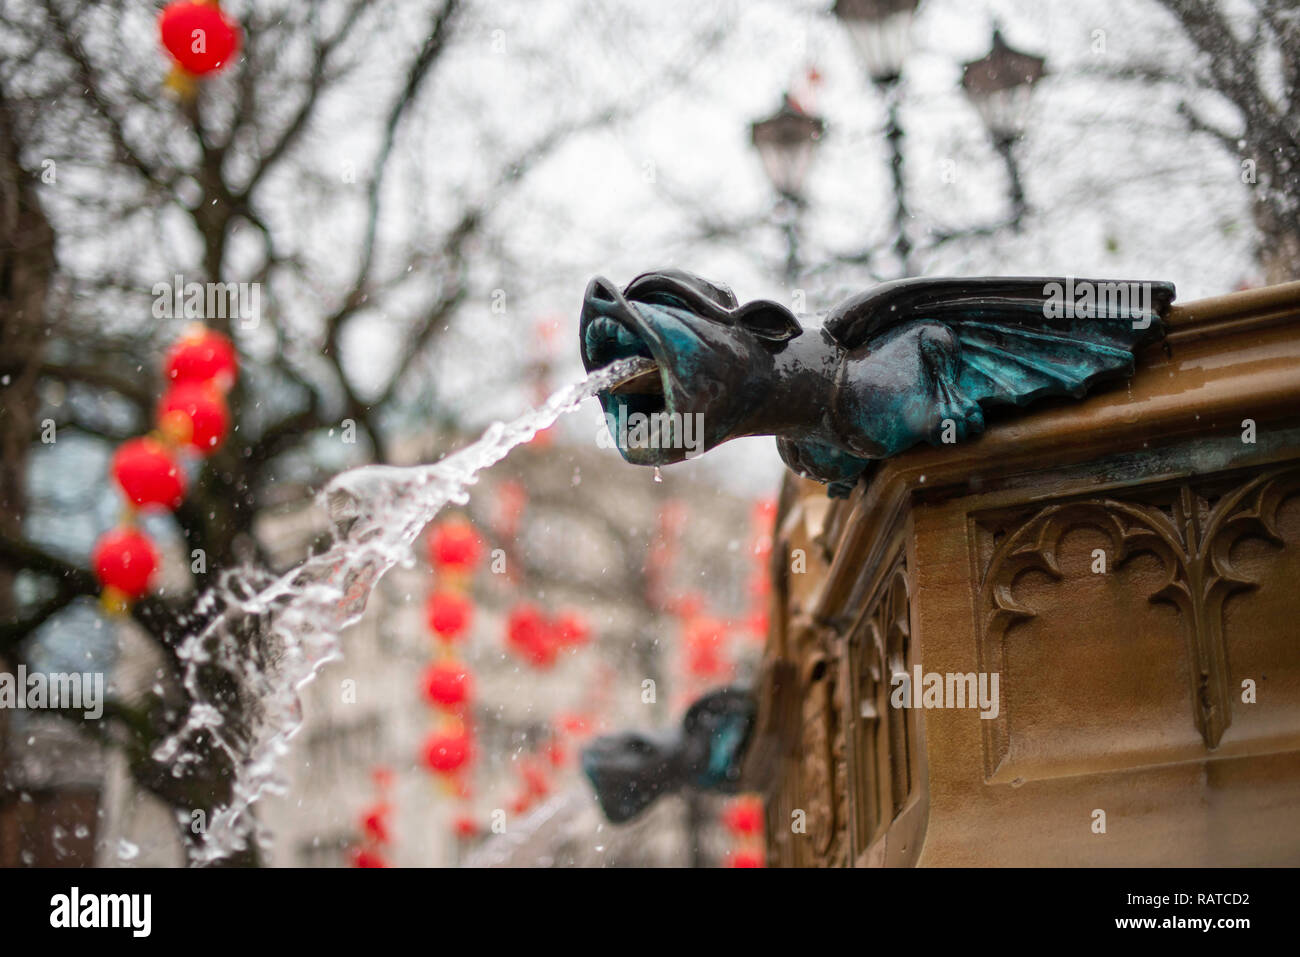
[{"x": 1129, "y": 567}]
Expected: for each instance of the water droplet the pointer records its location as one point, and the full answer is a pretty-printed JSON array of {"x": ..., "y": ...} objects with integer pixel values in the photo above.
[{"x": 659, "y": 476}]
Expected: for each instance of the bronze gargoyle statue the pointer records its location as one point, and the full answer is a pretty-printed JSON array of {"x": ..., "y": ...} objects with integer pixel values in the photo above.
[
  {"x": 915, "y": 360},
  {"x": 629, "y": 771}
]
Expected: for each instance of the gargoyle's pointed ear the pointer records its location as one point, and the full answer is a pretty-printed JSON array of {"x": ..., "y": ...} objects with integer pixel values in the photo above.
[{"x": 768, "y": 320}]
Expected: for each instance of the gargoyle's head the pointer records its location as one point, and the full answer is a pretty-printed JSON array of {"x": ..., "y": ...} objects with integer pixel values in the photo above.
[
  {"x": 714, "y": 361},
  {"x": 630, "y": 770}
]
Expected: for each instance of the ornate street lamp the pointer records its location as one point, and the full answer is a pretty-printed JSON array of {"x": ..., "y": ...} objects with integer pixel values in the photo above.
[
  {"x": 999, "y": 85},
  {"x": 786, "y": 141},
  {"x": 881, "y": 31}
]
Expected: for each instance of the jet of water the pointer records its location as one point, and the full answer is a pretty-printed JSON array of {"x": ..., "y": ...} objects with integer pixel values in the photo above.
[{"x": 267, "y": 639}]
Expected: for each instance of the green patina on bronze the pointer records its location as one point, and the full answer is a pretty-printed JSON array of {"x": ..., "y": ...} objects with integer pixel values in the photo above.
[
  {"x": 911, "y": 361},
  {"x": 629, "y": 771}
]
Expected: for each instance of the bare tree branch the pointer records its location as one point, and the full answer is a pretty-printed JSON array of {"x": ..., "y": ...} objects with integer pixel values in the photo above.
[
  {"x": 323, "y": 49},
  {"x": 72, "y": 46}
]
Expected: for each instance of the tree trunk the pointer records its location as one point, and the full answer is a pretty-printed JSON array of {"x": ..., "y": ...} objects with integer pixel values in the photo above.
[{"x": 26, "y": 266}]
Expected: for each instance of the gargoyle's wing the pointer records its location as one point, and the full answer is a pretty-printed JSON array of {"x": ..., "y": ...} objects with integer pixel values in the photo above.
[
  {"x": 1008, "y": 341},
  {"x": 1019, "y": 338}
]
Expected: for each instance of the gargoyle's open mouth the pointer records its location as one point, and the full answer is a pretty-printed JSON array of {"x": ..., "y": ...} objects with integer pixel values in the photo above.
[
  {"x": 625, "y": 778},
  {"x": 607, "y": 339},
  {"x": 639, "y": 408}
]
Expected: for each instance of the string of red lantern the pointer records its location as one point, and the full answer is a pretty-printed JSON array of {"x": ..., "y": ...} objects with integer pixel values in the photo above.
[
  {"x": 192, "y": 414},
  {"x": 376, "y": 831},
  {"x": 704, "y": 649},
  {"x": 743, "y": 815},
  {"x": 539, "y": 637},
  {"x": 743, "y": 819},
  {"x": 532, "y": 634},
  {"x": 192, "y": 418},
  {"x": 448, "y": 683},
  {"x": 705, "y": 643}
]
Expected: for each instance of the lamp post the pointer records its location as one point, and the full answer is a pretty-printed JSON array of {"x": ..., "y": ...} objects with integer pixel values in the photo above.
[
  {"x": 881, "y": 31},
  {"x": 786, "y": 142},
  {"x": 999, "y": 86}
]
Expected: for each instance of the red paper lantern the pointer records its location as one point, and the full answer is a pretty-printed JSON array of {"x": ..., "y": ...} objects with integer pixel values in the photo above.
[
  {"x": 522, "y": 803},
  {"x": 575, "y": 724},
  {"x": 374, "y": 823},
  {"x": 199, "y": 36},
  {"x": 448, "y": 684},
  {"x": 202, "y": 355},
  {"x": 764, "y": 514},
  {"x": 449, "y": 614},
  {"x": 125, "y": 560},
  {"x": 447, "y": 751},
  {"x": 147, "y": 473},
  {"x": 571, "y": 629},
  {"x": 703, "y": 645},
  {"x": 465, "y": 827},
  {"x": 365, "y": 857},
  {"x": 745, "y": 859},
  {"x": 535, "y": 779},
  {"x": 744, "y": 816},
  {"x": 556, "y": 754},
  {"x": 454, "y": 546},
  {"x": 686, "y": 606},
  {"x": 530, "y": 635},
  {"x": 194, "y": 414}
]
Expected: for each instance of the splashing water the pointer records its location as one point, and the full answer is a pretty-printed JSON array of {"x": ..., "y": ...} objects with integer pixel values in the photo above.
[{"x": 265, "y": 639}]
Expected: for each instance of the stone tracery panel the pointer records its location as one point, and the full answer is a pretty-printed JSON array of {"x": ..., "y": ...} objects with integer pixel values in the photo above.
[{"x": 1191, "y": 576}]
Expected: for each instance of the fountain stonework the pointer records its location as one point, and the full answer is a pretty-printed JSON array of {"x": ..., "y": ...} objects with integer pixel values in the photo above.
[{"x": 1073, "y": 639}]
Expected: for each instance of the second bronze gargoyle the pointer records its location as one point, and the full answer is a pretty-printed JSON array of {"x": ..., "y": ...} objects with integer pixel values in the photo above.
[
  {"x": 918, "y": 360},
  {"x": 631, "y": 770}
]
